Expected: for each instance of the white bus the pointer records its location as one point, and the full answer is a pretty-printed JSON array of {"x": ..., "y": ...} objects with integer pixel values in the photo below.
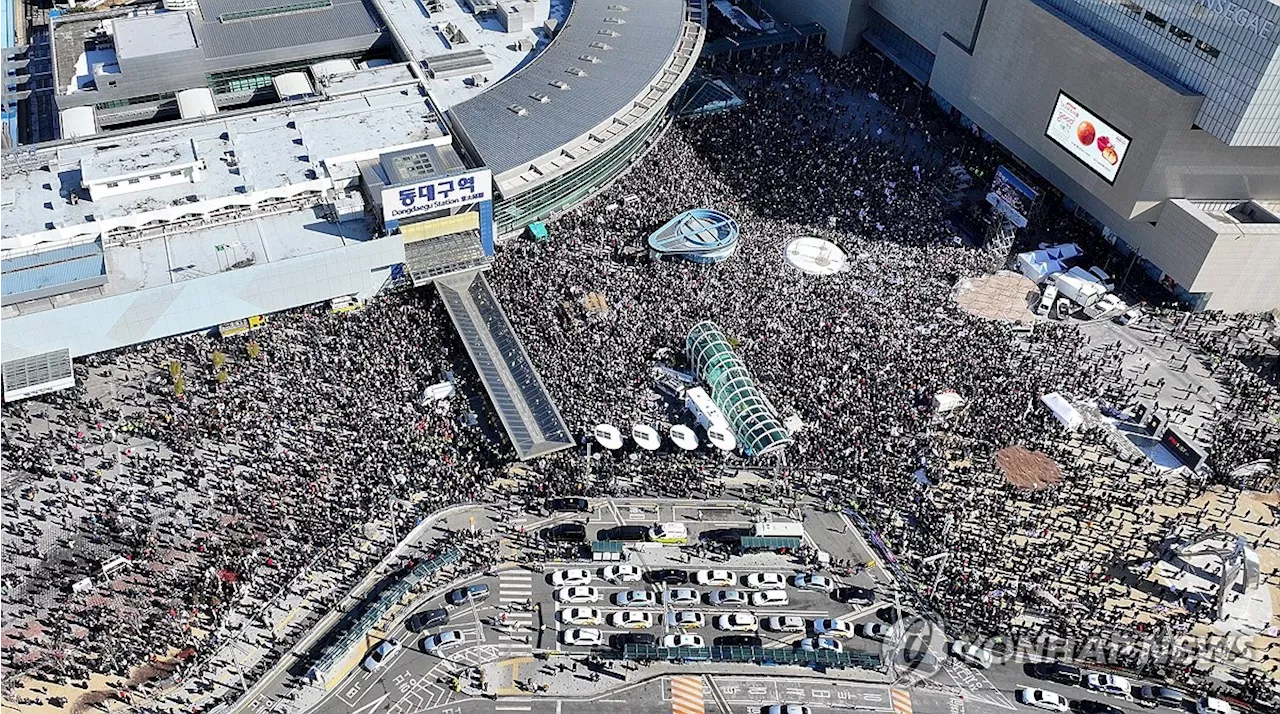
[{"x": 778, "y": 529}]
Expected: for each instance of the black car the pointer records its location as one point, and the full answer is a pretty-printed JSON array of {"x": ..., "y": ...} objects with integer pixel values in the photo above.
[
  {"x": 566, "y": 533},
  {"x": 627, "y": 533},
  {"x": 1059, "y": 672},
  {"x": 644, "y": 639},
  {"x": 669, "y": 576},
  {"x": 723, "y": 535},
  {"x": 919, "y": 659},
  {"x": 471, "y": 593},
  {"x": 1089, "y": 706},
  {"x": 889, "y": 614},
  {"x": 1149, "y": 695},
  {"x": 738, "y": 641},
  {"x": 577, "y": 505},
  {"x": 426, "y": 619},
  {"x": 853, "y": 595}
]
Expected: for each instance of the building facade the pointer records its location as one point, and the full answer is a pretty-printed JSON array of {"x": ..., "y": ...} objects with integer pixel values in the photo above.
[{"x": 1185, "y": 94}]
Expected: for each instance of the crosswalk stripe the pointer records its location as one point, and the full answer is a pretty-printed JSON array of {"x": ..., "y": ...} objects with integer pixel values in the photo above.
[
  {"x": 686, "y": 695},
  {"x": 901, "y": 701}
]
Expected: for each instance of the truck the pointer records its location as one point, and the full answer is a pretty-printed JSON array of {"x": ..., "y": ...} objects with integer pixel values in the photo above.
[
  {"x": 778, "y": 529},
  {"x": 241, "y": 326},
  {"x": 1080, "y": 286}
]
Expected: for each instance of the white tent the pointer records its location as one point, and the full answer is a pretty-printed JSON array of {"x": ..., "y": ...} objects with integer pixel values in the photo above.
[
  {"x": 646, "y": 437},
  {"x": 196, "y": 102},
  {"x": 947, "y": 400},
  {"x": 1062, "y": 409},
  {"x": 78, "y": 121},
  {"x": 722, "y": 438},
  {"x": 1038, "y": 266},
  {"x": 608, "y": 436},
  {"x": 684, "y": 437},
  {"x": 436, "y": 392}
]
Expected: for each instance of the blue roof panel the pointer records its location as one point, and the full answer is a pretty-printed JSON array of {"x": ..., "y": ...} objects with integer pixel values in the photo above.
[{"x": 44, "y": 277}]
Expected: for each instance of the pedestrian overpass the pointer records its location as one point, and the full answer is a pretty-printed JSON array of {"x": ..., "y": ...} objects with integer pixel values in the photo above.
[{"x": 529, "y": 416}]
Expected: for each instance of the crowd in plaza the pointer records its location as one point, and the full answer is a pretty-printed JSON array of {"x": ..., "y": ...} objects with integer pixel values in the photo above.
[{"x": 220, "y": 495}]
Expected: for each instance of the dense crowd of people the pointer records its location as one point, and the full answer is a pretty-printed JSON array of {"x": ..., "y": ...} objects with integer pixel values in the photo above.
[{"x": 219, "y": 479}]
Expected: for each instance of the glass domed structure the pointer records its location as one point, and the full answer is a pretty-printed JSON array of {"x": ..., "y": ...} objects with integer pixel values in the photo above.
[{"x": 752, "y": 418}]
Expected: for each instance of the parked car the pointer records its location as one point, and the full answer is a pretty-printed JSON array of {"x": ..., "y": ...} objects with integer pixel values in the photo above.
[
  {"x": 972, "y": 655},
  {"x": 727, "y": 597},
  {"x": 642, "y": 639},
  {"x": 566, "y": 533},
  {"x": 582, "y": 636},
  {"x": 621, "y": 574},
  {"x": 631, "y": 620},
  {"x": 738, "y": 622},
  {"x": 769, "y": 598},
  {"x": 1108, "y": 683},
  {"x": 813, "y": 644},
  {"x": 832, "y": 628},
  {"x": 1212, "y": 705},
  {"x": 634, "y": 598},
  {"x": 766, "y": 581},
  {"x": 576, "y": 505},
  {"x": 807, "y": 581},
  {"x": 427, "y": 619},
  {"x": 1042, "y": 699},
  {"x": 877, "y": 631},
  {"x": 668, "y": 576},
  {"x": 442, "y": 641},
  {"x": 576, "y": 576},
  {"x": 581, "y": 616},
  {"x": 630, "y": 534},
  {"x": 738, "y": 641},
  {"x": 889, "y": 614},
  {"x": 1150, "y": 695},
  {"x": 918, "y": 658},
  {"x": 784, "y": 623},
  {"x": 853, "y": 595},
  {"x": 723, "y": 535},
  {"x": 683, "y": 640},
  {"x": 1089, "y": 706},
  {"x": 380, "y": 654},
  {"x": 686, "y": 619},
  {"x": 471, "y": 593},
  {"x": 723, "y": 578},
  {"x": 1059, "y": 672},
  {"x": 580, "y": 595},
  {"x": 681, "y": 596},
  {"x": 786, "y": 709}
]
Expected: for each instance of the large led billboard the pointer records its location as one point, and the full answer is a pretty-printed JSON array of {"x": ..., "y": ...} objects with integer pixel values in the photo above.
[{"x": 1094, "y": 142}]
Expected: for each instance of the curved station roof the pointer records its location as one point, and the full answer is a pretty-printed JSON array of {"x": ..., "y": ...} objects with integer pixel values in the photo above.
[{"x": 701, "y": 235}]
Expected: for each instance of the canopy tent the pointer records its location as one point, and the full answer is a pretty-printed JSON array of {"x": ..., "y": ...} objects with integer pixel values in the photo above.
[
  {"x": 1038, "y": 265},
  {"x": 608, "y": 436},
  {"x": 646, "y": 437},
  {"x": 947, "y": 400},
  {"x": 1062, "y": 409},
  {"x": 684, "y": 437}
]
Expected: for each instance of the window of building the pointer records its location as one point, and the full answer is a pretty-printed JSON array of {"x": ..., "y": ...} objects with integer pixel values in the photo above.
[
  {"x": 1154, "y": 19},
  {"x": 1180, "y": 33},
  {"x": 134, "y": 180},
  {"x": 288, "y": 9},
  {"x": 1207, "y": 48},
  {"x": 112, "y": 184},
  {"x": 1131, "y": 6}
]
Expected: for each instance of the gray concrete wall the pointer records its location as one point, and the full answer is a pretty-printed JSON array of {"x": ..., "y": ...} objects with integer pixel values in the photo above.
[
  {"x": 844, "y": 20},
  {"x": 927, "y": 21}
]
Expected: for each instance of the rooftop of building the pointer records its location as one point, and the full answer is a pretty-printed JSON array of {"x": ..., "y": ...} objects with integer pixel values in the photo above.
[
  {"x": 241, "y": 153},
  {"x": 605, "y": 55},
  {"x": 156, "y": 34}
]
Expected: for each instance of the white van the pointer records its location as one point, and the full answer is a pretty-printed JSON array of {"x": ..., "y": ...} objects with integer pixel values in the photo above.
[
  {"x": 1046, "y": 299},
  {"x": 778, "y": 529},
  {"x": 669, "y": 533}
]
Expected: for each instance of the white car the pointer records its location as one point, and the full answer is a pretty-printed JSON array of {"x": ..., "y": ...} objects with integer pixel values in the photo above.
[
  {"x": 686, "y": 619},
  {"x": 738, "y": 622},
  {"x": 683, "y": 641},
  {"x": 587, "y": 636},
  {"x": 1108, "y": 683},
  {"x": 1042, "y": 699},
  {"x": 766, "y": 581},
  {"x": 634, "y": 598},
  {"x": 722, "y": 578},
  {"x": 681, "y": 596},
  {"x": 784, "y": 623},
  {"x": 442, "y": 641},
  {"x": 820, "y": 583},
  {"x": 832, "y": 628},
  {"x": 578, "y": 595},
  {"x": 727, "y": 597},
  {"x": 577, "y": 576},
  {"x": 581, "y": 616},
  {"x": 812, "y": 644},
  {"x": 971, "y": 655},
  {"x": 769, "y": 598},
  {"x": 380, "y": 654},
  {"x": 631, "y": 620},
  {"x": 1212, "y": 705},
  {"x": 877, "y": 631},
  {"x": 621, "y": 574}
]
